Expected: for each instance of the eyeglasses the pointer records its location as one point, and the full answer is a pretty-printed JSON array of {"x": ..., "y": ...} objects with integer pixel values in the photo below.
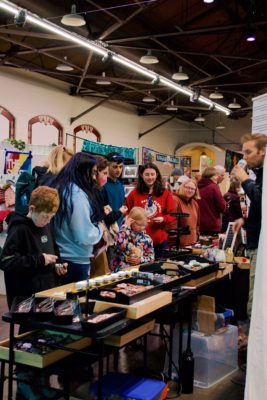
[
  {"x": 150, "y": 200},
  {"x": 189, "y": 188}
]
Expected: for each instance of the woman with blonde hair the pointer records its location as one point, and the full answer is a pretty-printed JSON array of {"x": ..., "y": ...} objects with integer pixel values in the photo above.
[
  {"x": 57, "y": 158},
  {"x": 185, "y": 200}
]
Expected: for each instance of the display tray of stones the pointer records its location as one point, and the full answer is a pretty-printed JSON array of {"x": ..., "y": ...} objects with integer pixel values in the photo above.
[
  {"x": 42, "y": 309},
  {"x": 44, "y": 342},
  {"x": 98, "y": 321},
  {"x": 21, "y": 308},
  {"x": 195, "y": 265},
  {"x": 169, "y": 278},
  {"x": 63, "y": 312},
  {"x": 127, "y": 291}
]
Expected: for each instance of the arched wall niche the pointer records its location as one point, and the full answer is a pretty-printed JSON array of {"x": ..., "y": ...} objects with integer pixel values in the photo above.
[
  {"x": 5, "y": 114},
  {"x": 46, "y": 120},
  {"x": 87, "y": 129}
]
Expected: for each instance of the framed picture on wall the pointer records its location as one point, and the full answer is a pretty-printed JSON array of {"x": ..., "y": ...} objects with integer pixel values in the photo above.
[
  {"x": 128, "y": 189},
  {"x": 130, "y": 171}
]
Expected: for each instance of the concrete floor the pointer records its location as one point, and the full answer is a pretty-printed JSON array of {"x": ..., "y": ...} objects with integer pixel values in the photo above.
[{"x": 131, "y": 361}]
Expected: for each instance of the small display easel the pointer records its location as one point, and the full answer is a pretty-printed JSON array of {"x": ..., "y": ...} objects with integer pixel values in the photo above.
[{"x": 178, "y": 231}]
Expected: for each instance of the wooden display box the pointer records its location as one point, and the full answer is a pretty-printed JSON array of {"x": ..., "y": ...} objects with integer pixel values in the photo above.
[
  {"x": 242, "y": 262},
  {"x": 129, "y": 334},
  {"x": 38, "y": 360},
  {"x": 140, "y": 308},
  {"x": 201, "y": 280},
  {"x": 59, "y": 292}
]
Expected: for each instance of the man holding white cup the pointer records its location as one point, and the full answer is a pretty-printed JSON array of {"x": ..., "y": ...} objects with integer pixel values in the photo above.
[{"x": 254, "y": 150}]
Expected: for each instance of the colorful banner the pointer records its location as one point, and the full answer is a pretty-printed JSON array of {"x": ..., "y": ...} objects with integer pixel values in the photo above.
[
  {"x": 104, "y": 149},
  {"x": 149, "y": 155},
  {"x": 17, "y": 161}
]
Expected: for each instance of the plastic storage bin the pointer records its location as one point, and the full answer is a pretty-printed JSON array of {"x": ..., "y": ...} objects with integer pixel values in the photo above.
[
  {"x": 215, "y": 356},
  {"x": 129, "y": 387}
]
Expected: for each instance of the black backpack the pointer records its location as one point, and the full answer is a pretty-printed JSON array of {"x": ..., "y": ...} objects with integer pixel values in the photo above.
[{"x": 25, "y": 185}]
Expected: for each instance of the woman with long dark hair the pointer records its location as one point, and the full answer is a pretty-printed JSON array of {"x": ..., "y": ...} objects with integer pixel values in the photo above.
[
  {"x": 76, "y": 223},
  {"x": 157, "y": 201}
]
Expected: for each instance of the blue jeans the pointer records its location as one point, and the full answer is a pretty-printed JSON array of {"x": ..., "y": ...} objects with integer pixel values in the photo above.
[{"x": 76, "y": 272}]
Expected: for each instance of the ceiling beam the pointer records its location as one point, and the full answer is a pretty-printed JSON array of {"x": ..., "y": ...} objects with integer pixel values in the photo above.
[
  {"x": 156, "y": 126},
  {"x": 199, "y": 31}
]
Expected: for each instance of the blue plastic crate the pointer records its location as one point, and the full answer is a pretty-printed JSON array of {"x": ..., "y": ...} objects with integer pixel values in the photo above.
[{"x": 129, "y": 387}]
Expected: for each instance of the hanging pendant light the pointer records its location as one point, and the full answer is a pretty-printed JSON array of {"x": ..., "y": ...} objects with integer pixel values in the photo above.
[
  {"x": 148, "y": 98},
  {"x": 216, "y": 95},
  {"x": 172, "y": 107},
  {"x": 149, "y": 58},
  {"x": 199, "y": 118},
  {"x": 234, "y": 104},
  {"x": 64, "y": 67},
  {"x": 180, "y": 75},
  {"x": 73, "y": 19},
  {"x": 103, "y": 81}
]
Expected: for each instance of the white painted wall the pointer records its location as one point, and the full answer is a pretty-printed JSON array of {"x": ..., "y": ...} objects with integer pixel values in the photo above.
[{"x": 27, "y": 94}]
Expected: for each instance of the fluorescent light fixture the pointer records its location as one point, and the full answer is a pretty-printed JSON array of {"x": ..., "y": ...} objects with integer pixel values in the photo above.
[
  {"x": 172, "y": 107},
  {"x": 132, "y": 65},
  {"x": 221, "y": 108},
  {"x": 220, "y": 126},
  {"x": 234, "y": 104},
  {"x": 208, "y": 1},
  {"x": 175, "y": 86},
  {"x": 103, "y": 81},
  {"x": 92, "y": 46},
  {"x": 180, "y": 75},
  {"x": 199, "y": 118},
  {"x": 216, "y": 95},
  {"x": 73, "y": 19},
  {"x": 149, "y": 58},
  {"x": 206, "y": 101},
  {"x": 148, "y": 98},
  {"x": 64, "y": 66}
]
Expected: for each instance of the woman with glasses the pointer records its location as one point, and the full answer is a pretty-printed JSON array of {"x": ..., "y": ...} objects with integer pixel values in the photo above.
[
  {"x": 185, "y": 200},
  {"x": 157, "y": 201}
]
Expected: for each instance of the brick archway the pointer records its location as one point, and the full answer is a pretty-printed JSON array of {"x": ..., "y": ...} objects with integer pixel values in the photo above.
[
  {"x": 85, "y": 128},
  {"x": 46, "y": 120},
  {"x": 10, "y": 117}
]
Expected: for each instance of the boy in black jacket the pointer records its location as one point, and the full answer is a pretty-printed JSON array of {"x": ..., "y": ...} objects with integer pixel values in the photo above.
[{"x": 28, "y": 257}]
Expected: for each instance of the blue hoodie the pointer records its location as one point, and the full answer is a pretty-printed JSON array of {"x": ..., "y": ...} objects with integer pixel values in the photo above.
[
  {"x": 114, "y": 195},
  {"x": 76, "y": 238}
]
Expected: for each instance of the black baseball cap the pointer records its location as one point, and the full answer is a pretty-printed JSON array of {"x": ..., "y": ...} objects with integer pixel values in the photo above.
[{"x": 115, "y": 157}]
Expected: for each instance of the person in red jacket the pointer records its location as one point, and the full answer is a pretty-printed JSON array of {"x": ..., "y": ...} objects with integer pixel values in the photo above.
[
  {"x": 211, "y": 203},
  {"x": 158, "y": 203}
]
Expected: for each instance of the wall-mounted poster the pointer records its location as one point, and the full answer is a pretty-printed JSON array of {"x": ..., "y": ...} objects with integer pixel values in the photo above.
[
  {"x": 231, "y": 159},
  {"x": 149, "y": 155},
  {"x": 17, "y": 161}
]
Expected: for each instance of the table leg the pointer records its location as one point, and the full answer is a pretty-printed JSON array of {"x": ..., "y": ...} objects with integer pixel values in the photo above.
[
  {"x": 170, "y": 349},
  {"x": 2, "y": 379},
  {"x": 11, "y": 361},
  {"x": 100, "y": 369}
]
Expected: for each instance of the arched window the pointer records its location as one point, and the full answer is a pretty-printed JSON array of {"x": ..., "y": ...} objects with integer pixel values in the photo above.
[
  {"x": 7, "y": 124},
  {"x": 45, "y": 121},
  {"x": 86, "y": 129}
]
